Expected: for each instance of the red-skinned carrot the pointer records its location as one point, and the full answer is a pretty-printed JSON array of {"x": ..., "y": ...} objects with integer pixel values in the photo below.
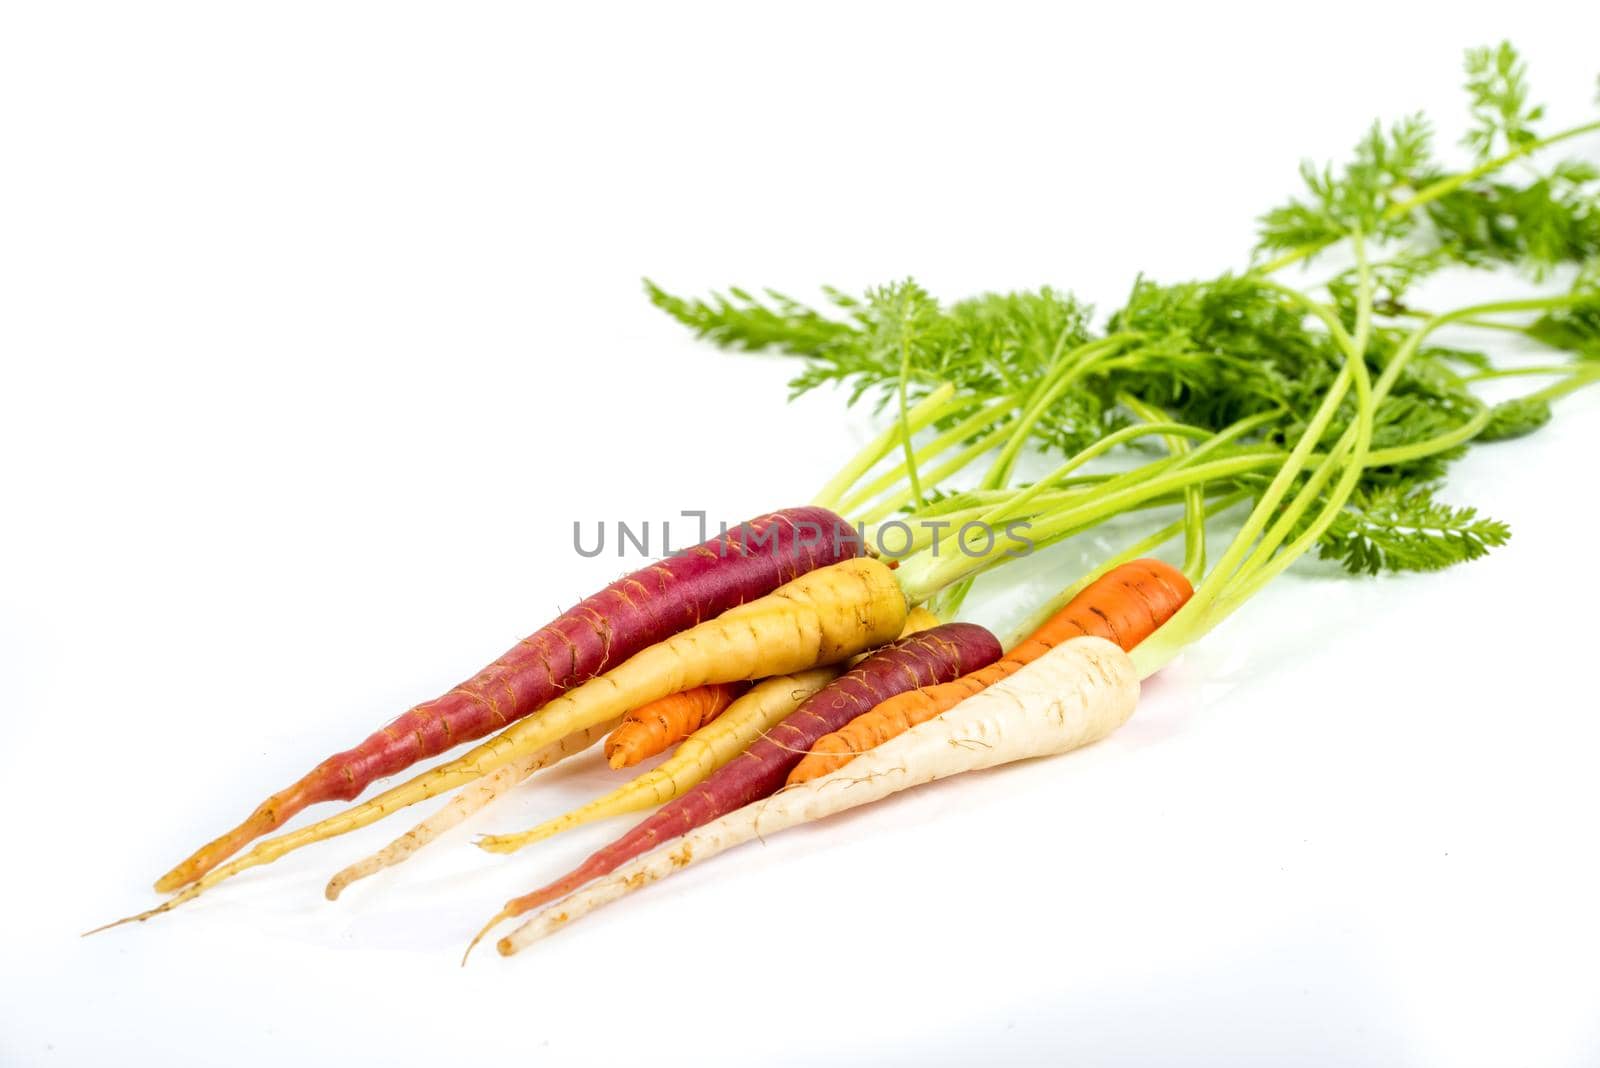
[
  {"x": 631, "y": 614},
  {"x": 1124, "y": 606},
  {"x": 938, "y": 655}
]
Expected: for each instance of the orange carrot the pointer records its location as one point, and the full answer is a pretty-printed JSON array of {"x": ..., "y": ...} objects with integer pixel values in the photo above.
[
  {"x": 661, "y": 724},
  {"x": 1125, "y": 605}
]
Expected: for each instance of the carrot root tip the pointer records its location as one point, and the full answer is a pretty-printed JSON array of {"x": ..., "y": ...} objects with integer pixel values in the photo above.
[
  {"x": 113, "y": 923},
  {"x": 501, "y": 915},
  {"x": 138, "y": 917}
]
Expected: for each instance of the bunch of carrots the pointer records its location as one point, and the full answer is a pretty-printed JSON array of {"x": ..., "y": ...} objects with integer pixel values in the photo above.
[{"x": 793, "y": 670}]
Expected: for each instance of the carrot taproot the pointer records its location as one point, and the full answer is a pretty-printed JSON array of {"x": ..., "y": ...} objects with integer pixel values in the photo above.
[
  {"x": 659, "y": 725},
  {"x": 1125, "y": 606},
  {"x": 942, "y": 653},
  {"x": 473, "y": 798},
  {"x": 763, "y": 707},
  {"x": 1076, "y": 694},
  {"x": 824, "y": 616},
  {"x": 631, "y": 614}
]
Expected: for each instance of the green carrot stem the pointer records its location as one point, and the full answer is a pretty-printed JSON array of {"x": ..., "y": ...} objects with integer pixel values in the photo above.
[
  {"x": 1355, "y": 349},
  {"x": 941, "y": 402},
  {"x": 1577, "y": 380},
  {"x": 1519, "y": 372},
  {"x": 1261, "y": 566},
  {"x": 1194, "y": 497},
  {"x": 1433, "y": 191},
  {"x": 1171, "y": 430},
  {"x": 905, "y": 421},
  {"x": 980, "y": 420},
  {"x": 889, "y": 505},
  {"x": 1073, "y": 365},
  {"x": 926, "y": 573}
]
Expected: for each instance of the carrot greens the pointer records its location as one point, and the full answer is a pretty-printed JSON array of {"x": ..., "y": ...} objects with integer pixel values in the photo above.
[{"x": 1230, "y": 372}]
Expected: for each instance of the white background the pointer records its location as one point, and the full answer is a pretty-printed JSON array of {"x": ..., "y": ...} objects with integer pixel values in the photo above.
[{"x": 321, "y": 323}]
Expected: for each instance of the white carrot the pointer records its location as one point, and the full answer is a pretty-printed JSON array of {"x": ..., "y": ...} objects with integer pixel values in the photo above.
[
  {"x": 472, "y": 799},
  {"x": 1077, "y": 693}
]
